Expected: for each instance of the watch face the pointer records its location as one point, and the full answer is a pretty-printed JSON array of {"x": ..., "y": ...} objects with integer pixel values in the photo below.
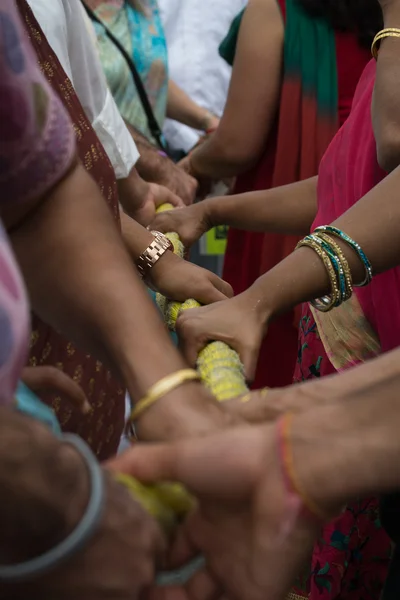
[{"x": 163, "y": 240}]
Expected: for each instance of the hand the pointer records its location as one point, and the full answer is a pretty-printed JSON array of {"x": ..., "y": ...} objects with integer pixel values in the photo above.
[
  {"x": 50, "y": 379},
  {"x": 120, "y": 561},
  {"x": 179, "y": 280},
  {"x": 51, "y": 492},
  {"x": 189, "y": 223},
  {"x": 231, "y": 321},
  {"x": 250, "y": 529},
  {"x": 204, "y": 183},
  {"x": 179, "y": 182},
  {"x": 155, "y": 195}
]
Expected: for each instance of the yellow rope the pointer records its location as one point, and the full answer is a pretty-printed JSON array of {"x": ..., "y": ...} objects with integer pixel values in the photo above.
[
  {"x": 222, "y": 373},
  {"x": 219, "y": 366}
]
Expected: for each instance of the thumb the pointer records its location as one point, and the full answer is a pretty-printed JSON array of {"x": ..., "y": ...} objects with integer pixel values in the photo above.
[
  {"x": 149, "y": 463},
  {"x": 249, "y": 356},
  {"x": 222, "y": 465},
  {"x": 209, "y": 294},
  {"x": 168, "y": 197},
  {"x": 221, "y": 285}
]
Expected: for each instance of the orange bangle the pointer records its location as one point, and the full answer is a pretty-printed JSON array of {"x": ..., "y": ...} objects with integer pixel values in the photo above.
[{"x": 289, "y": 471}]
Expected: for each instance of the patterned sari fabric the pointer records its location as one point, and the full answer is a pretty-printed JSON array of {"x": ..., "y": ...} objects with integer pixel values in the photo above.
[
  {"x": 142, "y": 35},
  {"x": 103, "y": 427},
  {"x": 351, "y": 559}
]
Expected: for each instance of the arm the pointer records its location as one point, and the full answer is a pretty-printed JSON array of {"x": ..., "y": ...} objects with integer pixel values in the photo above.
[
  {"x": 108, "y": 312},
  {"x": 289, "y": 209},
  {"x": 385, "y": 106},
  {"x": 337, "y": 452},
  {"x": 78, "y": 274},
  {"x": 183, "y": 109},
  {"x": 243, "y": 321},
  {"x": 268, "y": 405},
  {"x": 253, "y": 96}
]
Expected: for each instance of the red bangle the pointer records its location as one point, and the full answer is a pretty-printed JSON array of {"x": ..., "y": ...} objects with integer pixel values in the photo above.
[{"x": 310, "y": 508}]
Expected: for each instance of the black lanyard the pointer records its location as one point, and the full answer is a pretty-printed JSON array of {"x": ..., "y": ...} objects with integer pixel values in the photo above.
[{"x": 153, "y": 125}]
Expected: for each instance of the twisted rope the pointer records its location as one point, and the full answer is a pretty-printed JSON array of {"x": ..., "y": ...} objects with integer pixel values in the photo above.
[{"x": 222, "y": 373}]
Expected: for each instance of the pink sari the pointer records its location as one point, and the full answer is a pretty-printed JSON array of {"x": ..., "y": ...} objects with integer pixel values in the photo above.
[{"x": 351, "y": 559}]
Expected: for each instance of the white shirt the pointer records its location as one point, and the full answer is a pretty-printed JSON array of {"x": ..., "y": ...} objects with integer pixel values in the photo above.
[
  {"x": 64, "y": 24},
  {"x": 194, "y": 30}
]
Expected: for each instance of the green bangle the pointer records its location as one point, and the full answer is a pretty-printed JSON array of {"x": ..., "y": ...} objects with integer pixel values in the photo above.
[{"x": 79, "y": 537}]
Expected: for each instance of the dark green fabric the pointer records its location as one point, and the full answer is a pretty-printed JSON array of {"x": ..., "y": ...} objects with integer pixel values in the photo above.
[
  {"x": 310, "y": 56},
  {"x": 227, "y": 49}
]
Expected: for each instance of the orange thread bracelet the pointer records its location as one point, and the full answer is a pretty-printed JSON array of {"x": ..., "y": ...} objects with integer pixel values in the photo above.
[{"x": 289, "y": 471}]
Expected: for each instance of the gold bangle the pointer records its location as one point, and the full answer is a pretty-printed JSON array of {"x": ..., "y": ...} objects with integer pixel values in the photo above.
[
  {"x": 381, "y": 35},
  {"x": 162, "y": 388},
  {"x": 326, "y": 303},
  {"x": 343, "y": 261}
]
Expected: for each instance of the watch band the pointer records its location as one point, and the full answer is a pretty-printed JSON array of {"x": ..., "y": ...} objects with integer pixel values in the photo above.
[{"x": 153, "y": 253}]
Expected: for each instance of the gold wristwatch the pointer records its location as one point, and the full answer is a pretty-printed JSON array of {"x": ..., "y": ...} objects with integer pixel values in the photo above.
[{"x": 153, "y": 253}]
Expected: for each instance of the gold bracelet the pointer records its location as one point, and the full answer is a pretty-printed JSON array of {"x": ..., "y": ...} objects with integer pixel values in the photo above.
[
  {"x": 162, "y": 388},
  {"x": 343, "y": 261},
  {"x": 381, "y": 35},
  {"x": 326, "y": 303}
]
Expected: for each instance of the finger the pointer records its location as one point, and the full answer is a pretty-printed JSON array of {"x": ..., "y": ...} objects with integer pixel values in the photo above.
[
  {"x": 208, "y": 294},
  {"x": 223, "y": 465},
  {"x": 249, "y": 358},
  {"x": 257, "y": 407},
  {"x": 190, "y": 348},
  {"x": 223, "y": 286},
  {"x": 173, "y": 199},
  {"x": 51, "y": 379}
]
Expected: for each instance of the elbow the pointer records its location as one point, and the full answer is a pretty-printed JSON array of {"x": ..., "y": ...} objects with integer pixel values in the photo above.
[{"x": 388, "y": 148}]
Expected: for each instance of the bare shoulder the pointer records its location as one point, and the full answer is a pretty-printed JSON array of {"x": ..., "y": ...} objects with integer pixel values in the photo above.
[{"x": 266, "y": 13}]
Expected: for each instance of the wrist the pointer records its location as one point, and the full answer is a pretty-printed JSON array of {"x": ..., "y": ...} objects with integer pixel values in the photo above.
[
  {"x": 188, "y": 411},
  {"x": 344, "y": 450},
  {"x": 259, "y": 303}
]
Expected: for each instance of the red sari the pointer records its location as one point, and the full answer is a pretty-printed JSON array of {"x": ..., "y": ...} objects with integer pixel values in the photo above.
[
  {"x": 248, "y": 254},
  {"x": 351, "y": 559}
]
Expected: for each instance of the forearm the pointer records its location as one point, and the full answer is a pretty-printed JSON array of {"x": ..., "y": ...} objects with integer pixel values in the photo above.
[
  {"x": 132, "y": 192},
  {"x": 302, "y": 276},
  {"x": 385, "y": 106},
  {"x": 358, "y": 438},
  {"x": 220, "y": 157},
  {"x": 44, "y": 488},
  {"x": 288, "y": 209},
  {"x": 81, "y": 281},
  {"x": 136, "y": 238},
  {"x": 268, "y": 405},
  {"x": 181, "y": 108}
]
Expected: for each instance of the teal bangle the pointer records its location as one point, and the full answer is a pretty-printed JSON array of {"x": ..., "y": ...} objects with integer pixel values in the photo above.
[
  {"x": 355, "y": 246},
  {"x": 341, "y": 279},
  {"x": 78, "y": 538}
]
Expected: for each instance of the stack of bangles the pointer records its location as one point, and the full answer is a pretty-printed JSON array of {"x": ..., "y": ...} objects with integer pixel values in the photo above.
[
  {"x": 381, "y": 35},
  {"x": 323, "y": 243}
]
